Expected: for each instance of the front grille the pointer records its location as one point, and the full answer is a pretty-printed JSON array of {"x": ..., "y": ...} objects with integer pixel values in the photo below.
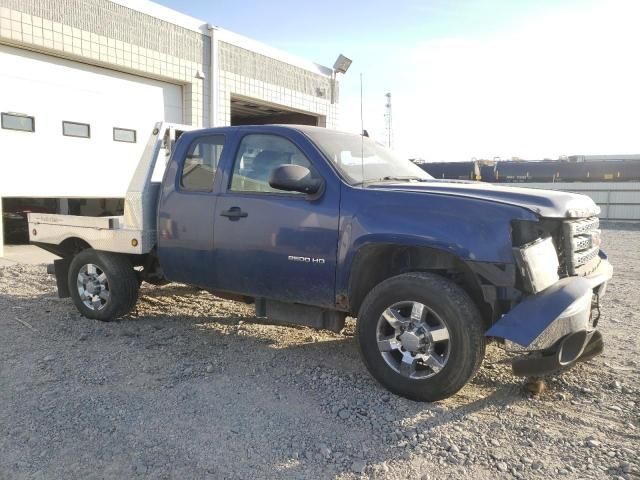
[{"x": 580, "y": 244}]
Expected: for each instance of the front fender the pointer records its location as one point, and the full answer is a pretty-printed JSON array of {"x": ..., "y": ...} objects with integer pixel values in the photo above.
[{"x": 469, "y": 229}]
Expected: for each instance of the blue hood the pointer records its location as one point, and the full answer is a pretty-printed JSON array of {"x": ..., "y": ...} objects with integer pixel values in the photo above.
[{"x": 546, "y": 203}]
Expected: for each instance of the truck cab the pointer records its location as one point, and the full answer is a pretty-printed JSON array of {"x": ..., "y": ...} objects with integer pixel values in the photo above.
[{"x": 313, "y": 225}]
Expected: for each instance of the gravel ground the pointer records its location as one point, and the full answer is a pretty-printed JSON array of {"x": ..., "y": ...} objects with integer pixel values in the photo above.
[{"x": 193, "y": 386}]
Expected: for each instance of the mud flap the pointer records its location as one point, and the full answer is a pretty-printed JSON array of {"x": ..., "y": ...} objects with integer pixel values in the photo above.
[
  {"x": 527, "y": 320},
  {"x": 61, "y": 271}
]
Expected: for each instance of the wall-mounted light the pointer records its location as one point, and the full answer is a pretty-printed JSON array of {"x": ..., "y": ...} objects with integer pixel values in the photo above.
[{"x": 342, "y": 64}]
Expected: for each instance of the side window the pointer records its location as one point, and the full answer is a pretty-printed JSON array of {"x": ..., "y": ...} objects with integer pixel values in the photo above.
[
  {"x": 18, "y": 121},
  {"x": 257, "y": 156},
  {"x": 75, "y": 129},
  {"x": 200, "y": 163}
]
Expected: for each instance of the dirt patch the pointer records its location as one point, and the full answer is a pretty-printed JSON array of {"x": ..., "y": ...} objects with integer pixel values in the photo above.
[{"x": 192, "y": 386}]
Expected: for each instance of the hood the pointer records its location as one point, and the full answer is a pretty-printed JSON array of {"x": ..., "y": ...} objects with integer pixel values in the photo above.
[{"x": 546, "y": 203}]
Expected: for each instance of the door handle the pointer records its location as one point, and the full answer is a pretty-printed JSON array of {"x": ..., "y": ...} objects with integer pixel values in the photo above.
[{"x": 234, "y": 213}]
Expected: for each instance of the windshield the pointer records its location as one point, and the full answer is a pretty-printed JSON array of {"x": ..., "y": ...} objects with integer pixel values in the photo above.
[{"x": 345, "y": 150}]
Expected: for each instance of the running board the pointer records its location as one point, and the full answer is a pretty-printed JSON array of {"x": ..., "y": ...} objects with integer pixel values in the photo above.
[{"x": 281, "y": 313}]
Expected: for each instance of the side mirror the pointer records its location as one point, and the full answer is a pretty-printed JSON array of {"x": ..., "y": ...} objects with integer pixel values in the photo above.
[{"x": 294, "y": 178}]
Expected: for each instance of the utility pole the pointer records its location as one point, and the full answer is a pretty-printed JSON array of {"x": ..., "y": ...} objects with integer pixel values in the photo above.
[{"x": 387, "y": 121}]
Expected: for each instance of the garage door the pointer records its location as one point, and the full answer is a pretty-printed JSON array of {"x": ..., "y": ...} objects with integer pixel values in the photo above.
[{"x": 73, "y": 149}]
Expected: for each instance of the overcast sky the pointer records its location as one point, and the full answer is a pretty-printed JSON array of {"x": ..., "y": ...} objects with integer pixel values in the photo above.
[{"x": 469, "y": 78}]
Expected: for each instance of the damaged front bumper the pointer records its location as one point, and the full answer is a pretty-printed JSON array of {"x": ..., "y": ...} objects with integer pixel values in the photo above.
[{"x": 556, "y": 327}]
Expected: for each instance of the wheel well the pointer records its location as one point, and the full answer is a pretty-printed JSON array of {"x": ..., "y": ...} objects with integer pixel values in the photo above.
[
  {"x": 67, "y": 248},
  {"x": 376, "y": 263}
]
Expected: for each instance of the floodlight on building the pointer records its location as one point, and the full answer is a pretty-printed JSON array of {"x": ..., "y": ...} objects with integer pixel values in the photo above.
[{"x": 342, "y": 64}]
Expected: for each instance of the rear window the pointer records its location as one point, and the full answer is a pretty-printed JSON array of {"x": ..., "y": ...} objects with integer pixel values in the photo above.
[{"x": 201, "y": 163}]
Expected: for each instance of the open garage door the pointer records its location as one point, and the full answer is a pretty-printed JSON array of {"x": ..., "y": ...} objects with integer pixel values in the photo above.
[
  {"x": 248, "y": 111},
  {"x": 75, "y": 130}
]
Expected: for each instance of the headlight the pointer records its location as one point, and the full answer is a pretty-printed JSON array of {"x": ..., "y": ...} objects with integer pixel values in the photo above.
[{"x": 538, "y": 264}]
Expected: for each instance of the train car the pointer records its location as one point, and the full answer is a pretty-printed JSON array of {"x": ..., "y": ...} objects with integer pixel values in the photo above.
[
  {"x": 516, "y": 171},
  {"x": 607, "y": 171},
  {"x": 564, "y": 171},
  {"x": 452, "y": 170}
]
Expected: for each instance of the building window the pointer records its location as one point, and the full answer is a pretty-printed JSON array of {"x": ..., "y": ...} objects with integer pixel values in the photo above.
[
  {"x": 124, "y": 135},
  {"x": 17, "y": 121},
  {"x": 201, "y": 163},
  {"x": 74, "y": 129}
]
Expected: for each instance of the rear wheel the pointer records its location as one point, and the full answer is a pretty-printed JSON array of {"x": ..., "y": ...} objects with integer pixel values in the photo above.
[
  {"x": 103, "y": 285},
  {"x": 420, "y": 336}
]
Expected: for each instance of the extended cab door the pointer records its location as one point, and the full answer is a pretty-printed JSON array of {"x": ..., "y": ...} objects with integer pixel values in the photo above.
[
  {"x": 270, "y": 243},
  {"x": 187, "y": 209}
]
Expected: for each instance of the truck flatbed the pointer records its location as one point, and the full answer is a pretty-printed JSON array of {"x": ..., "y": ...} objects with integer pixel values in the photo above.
[{"x": 131, "y": 233}]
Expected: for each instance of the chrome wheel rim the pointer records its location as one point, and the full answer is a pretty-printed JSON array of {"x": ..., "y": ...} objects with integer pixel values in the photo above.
[
  {"x": 93, "y": 287},
  {"x": 413, "y": 340}
]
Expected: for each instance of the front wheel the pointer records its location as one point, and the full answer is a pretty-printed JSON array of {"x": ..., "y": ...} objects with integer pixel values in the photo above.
[
  {"x": 103, "y": 285},
  {"x": 421, "y": 336}
]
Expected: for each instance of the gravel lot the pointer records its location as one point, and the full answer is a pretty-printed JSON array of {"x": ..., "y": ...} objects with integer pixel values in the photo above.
[{"x": 196, "y": 387}]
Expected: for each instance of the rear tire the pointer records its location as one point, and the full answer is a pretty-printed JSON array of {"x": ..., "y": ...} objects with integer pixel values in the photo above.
[
  {"x": 103, "y": 285},
  {"x": 421, "y": 336}
]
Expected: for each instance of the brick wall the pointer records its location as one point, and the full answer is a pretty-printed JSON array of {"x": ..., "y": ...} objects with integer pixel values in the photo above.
[
  {"x": 106, "y": 34},
  {"x": 250, "y": 74}
]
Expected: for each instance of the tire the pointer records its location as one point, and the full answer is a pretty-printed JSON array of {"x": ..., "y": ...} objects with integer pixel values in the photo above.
[
  {"x": 108, "y": 287},
  {"x": 435, "y": 363}
]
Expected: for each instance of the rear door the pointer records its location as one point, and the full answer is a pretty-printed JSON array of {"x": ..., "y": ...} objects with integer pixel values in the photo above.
[
  {"x": 274, "y": 244},
  {"x": 186, "y": 215}
]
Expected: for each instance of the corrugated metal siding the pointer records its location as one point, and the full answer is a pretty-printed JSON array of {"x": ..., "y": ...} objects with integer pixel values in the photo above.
[{"x": 618, "y": 200}]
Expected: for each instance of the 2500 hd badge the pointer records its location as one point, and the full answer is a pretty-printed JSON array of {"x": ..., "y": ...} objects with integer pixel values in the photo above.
[{"x": 295, "y": 258}]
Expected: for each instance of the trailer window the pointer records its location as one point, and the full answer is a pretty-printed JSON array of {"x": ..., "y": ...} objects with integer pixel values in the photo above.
[
  {"x": 200, "y": 163},
  {"x": 16, "y": 121},
  {"x": 75, "y": 129}
]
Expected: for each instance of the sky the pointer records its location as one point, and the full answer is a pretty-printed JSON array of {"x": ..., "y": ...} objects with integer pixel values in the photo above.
[{"x": 468, "y": 78}]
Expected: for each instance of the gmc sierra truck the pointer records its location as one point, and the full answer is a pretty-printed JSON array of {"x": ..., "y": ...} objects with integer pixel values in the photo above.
[{"x": 313, "y": 225}]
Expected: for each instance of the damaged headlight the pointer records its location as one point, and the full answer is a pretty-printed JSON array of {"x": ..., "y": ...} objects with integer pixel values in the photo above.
[{"x": 538, "y": 264}]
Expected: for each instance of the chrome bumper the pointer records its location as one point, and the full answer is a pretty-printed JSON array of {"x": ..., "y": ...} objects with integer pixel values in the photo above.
[{"x": 557, "y": 321}]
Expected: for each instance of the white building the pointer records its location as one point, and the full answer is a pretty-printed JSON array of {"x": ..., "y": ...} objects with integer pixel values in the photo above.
[{"x": 83, "y": 81}]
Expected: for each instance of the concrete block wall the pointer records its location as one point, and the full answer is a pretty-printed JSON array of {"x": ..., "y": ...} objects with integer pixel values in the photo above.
[
  {"x": 103, "y": 33},
  {"x": 249, "y": 74}
]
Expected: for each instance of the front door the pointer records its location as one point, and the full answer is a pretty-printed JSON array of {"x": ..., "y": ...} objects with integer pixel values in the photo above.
[{"x": 274, "y": 244}]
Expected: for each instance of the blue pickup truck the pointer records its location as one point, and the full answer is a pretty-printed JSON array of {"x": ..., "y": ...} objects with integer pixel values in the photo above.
[{"x": 313, "y": 225}]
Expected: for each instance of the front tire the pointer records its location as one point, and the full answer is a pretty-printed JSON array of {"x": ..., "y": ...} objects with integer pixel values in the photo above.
[
  {"x": 420, "y": 336},
  {"x": 103, "y": 285}
]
